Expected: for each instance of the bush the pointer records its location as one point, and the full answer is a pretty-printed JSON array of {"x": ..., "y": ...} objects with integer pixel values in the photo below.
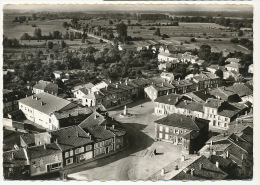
[{"x": 192, "y": 39}]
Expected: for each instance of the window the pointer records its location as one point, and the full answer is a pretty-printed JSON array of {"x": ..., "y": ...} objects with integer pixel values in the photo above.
[
  {"x": 71, "y": 153},
  {"x": 166, "y": 136},
  {"x": 167, "y": 129},
  {"x": 161, "y": 128},
  {"x": 177, "y": 131},
  {"x": 89, "y": 147},
  {"x": 77, "y": 151},
  {"x": 214, "y": 122},
  {"x": 181, "y": 131},
  {"x": 160, "y": 135},
  {"x": 55, "y": 166},
  {"x": 69, "y": 161},
  {"x": 82, "y": 156},
  {"x": 66, "y": 154}
]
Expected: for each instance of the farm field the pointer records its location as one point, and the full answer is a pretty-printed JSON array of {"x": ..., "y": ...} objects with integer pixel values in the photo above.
[{"x": 16, "y": 29}]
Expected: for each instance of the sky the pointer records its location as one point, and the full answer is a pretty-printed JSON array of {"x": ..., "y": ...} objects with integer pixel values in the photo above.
[{"x": 129, "y": 7}]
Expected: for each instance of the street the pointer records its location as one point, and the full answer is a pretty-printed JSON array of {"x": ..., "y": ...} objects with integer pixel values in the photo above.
[{"x": 137, "y": 162}]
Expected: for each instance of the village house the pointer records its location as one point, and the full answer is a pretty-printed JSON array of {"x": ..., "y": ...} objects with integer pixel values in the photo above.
[
  {"x": 168, "y": 57},
  {"x": 224, "y": 93},
  {"x": 190, "y": 168},
  {"x": 158, "y": 88},
  {"x": 168, "y": 76},
  {"x": 190, "y": 132},
  {"x": 188, "y": 57},
  {"x": 229, "y": 146},
  {"x": 200, "y": 96},
  {"x": 10, "y": 100},
  {"x": 169, "y": 49},
  {"x": 45, "y": 86},
  {"x": 16, "y": 164},
  {"x": 58, "y": 74},
  {"x": 244, "y": 92},
  {"x": 233, "y": 67},
  {"x": 232, "y": 60},
  {"x": 183, "y": 86},
  {"x": 251, "y": 69},
  {"x": 220, "y": 113},
  {"x": 214, "y": 68},
  {"x": 39, "y": 108},
  {"x": 44, "y": 158},
  {"x": 165, "y": 66},
  {"x": 206, "y": 80}
]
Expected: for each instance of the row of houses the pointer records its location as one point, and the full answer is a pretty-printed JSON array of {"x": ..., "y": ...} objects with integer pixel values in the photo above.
[
  {"x": 218, "y": 112},
  {"x": 47, "y": 152},
  {"x": 165, "y": 85}
]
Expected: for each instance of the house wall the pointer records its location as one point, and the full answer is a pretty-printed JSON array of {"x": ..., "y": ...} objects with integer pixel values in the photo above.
[
  {"x": 77, "y": 155},
  {"x": 46, "y": 164},
  {"x": 104, "y": 147}
]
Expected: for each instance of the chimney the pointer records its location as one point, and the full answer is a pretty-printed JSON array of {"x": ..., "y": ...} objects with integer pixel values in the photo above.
[
  {"x": 192, "y": 172},
  {"x": 201, "y": 166},
  {"x": 176, "y": 167},
  {"x": 126, "y": 82},
  {"x": 162, "y": 83},
  {"x": 105, "y": 127},
  {"x": 116, "y": 85},
  {"x": 106, "y": 87},
  {"x": 32, "y": 96},
  {"x": 177, "y": 99},
  {"x": 56, "y": 140},
  {"x": 227, "y": 154},
  {"x": 182, "y": 158},
  {"x": 113, "y": 126},
  {"x": 236, "y": 138},
  {"x": 205, "y": 92},
  {"x": 44, "y": 146},
  {"x": 26, "y": 95},
  {"x": 242, "y": 156},
  {"x": 52, "y": 92},
  {"x": 162, "y": 171},
  {"x": 41, "y": 103},
  {"x": 185, "y": 102},
  {"x": 246, "y": 113},
  {"x": 95, "y": 116},
  {"x": 211, "y": 142},
  {"x": 12, "y": 155},
  {"x": 217, "y": 164},
  {"x": 77, "y": 133},
  {"x": 167, "y": 92}
]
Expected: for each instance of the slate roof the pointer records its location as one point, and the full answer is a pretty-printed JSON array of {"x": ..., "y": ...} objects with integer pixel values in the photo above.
[
  {"x": 182, "y": 121},
  {"x": 46, "y": 86},
  {"x": 28, "y": 138},
  {"x": 224, "y": 163},
  {"x": 190, "y": 105},
  {"x": 191, "y": 135},
  {"x": 223, "y": 93},
  {"x": 51, "y": 103},
  {"x": 171, "y": 99},
  {"x": 9, "y": 95},
  {"x": 140, "y": 82},
  {"x": 72, "y": 112},
  {"x": 247, "y": 134},
  {"x": 213, "y": 103},
  {"x": 86, "y": 86},
  {"x": 200, "y": 96},
  {"x": 71, "y": 137},
  {"x": 233, "y": 65},
  {"x": 100, "y": 133},
  {"x": 94, "y": 119},
  {"x": 240, "y": 89},
  {"x": 181, "y": 83},
  {"x": 35, "y": 152},
  {"x": 209, "y": 171},
  {"x": 231, "y": 109},
  {"x": 19, "y": 158}
]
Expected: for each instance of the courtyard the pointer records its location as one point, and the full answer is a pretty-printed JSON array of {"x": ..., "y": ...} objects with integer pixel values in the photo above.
[{"x": 137, "y": 161}]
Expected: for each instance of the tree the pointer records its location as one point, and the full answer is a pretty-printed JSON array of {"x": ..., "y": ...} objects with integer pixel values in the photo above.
[
  {"x": 234, "y": 40},
  {"x": 192, "y": 39},
  {"x": 204, "y": 52},
  {"x": 50, "y": 45},
  {"x": 110, "y": 22},
  {"x": 240, "y": 33},
  {"x": 34, "y": 16},
  {"x": 63, "y": 44},
  {"x": 37, "y": 34},
  {"x": 219, "y": 73},
  {"x": 157, "y": 32},
  {"x": 121, "y": 31},
  {"x": 128, "y": 21}
]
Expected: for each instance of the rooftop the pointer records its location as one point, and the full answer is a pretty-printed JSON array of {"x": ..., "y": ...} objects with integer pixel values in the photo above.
[
  {"x": 43, "y": 150},
  {"x": 170, "y": 99},
  {"x": 182, "y": 121},
  {"x": 15, "y": 158},
  {"x": 94, "y": 119},
  {"x": 47, "y": 103},
  {"x": 71, "y": 137}
]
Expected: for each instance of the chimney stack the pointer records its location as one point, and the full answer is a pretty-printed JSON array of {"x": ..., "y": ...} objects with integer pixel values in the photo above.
[
  {"x": 41, "y": 103},
  {"x": 192, "y": 172},
  {"x": 242, "y": 156},
  {"x": 182, "y": 158},
  {"x": 44, "y": 146},
  {"x": 116, "y": 85},
  {"x": 105, "y": 126},
  {"x": 227, "y": 154},
  {"x": 201, "y": 166},
  {"x": 113, "y": 126},
  {"x": 162, "y": 171},
  {"x": 217, "y": 164},
  {"x": 77, "y": 133},
  {"x": 12, "y": 155}
]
